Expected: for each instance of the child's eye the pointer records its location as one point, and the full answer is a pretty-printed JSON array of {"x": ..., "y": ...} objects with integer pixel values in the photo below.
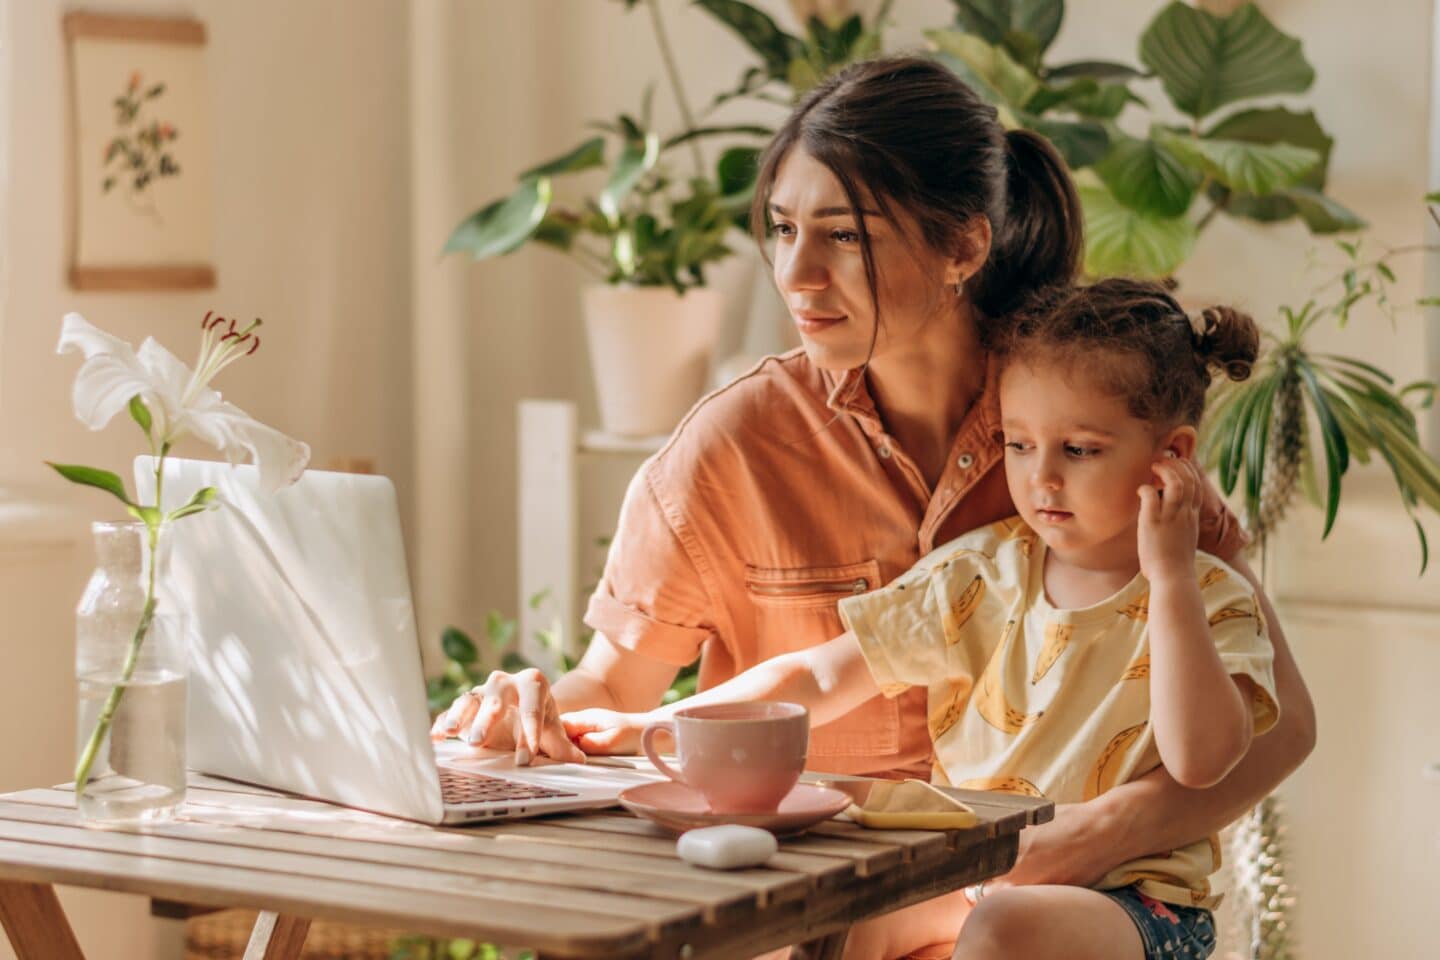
[
  {"x": 1016, "y": 446},
  {"x": 1081, "y": 452}
]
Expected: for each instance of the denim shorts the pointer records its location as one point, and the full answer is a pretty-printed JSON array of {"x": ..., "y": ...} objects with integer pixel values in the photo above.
[{"x": 1168, "y": 931}]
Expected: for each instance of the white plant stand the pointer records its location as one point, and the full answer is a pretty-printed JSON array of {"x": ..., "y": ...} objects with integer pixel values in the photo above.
[{"x": 552, "y": 452}]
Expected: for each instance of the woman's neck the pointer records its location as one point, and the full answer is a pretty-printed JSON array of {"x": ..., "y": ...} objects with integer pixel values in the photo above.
[{"x": 924, "y": 388}]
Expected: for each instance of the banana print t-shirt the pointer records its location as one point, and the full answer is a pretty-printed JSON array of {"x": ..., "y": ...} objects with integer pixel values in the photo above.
[{"x": 1025, "y": 698}]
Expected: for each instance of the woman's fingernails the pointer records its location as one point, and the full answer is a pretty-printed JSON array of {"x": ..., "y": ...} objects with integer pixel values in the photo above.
[{"x": 522, "y": 757}]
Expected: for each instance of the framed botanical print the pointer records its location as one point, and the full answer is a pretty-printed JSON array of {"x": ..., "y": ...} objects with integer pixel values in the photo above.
[{"x": 142, "y": 199}]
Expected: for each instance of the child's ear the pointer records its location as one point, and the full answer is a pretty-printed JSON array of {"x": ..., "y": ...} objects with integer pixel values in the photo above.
[{"x": 1181, "y": 441}]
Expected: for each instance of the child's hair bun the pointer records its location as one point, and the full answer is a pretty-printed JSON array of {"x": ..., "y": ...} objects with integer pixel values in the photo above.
[{"x": 1227, "y": 340}]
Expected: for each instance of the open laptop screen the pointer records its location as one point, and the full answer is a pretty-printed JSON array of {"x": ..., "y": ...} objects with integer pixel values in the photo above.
[{"x": 305, "y": 668}]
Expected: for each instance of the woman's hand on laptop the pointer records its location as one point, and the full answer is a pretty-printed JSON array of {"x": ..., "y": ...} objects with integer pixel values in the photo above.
[
  {"x": 510, "y": 711},
  {"x": 600, "y": 731}
]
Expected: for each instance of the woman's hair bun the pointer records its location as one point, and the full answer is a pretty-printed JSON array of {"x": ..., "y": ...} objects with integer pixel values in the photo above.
[{"x": 1227, "y": 340}]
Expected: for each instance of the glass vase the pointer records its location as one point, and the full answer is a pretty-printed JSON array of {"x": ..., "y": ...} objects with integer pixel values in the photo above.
[{"x": 130, "y": 665}]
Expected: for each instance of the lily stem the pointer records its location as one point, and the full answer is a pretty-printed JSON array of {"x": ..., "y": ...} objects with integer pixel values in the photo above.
[{"x": 132, "y": 658}]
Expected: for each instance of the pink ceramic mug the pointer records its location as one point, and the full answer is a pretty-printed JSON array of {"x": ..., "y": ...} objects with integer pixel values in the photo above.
[{"x": 742, "y": 757}]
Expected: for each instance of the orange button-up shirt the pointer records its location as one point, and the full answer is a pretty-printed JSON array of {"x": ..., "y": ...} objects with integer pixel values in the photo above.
[{"x": 776, "y": 496}]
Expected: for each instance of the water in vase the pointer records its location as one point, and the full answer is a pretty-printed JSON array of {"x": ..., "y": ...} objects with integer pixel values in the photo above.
[{"x": 139, "y": 769}]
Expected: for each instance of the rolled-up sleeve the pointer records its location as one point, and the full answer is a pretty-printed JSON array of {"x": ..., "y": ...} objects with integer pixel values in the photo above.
[{"x": 652, "y": 598}]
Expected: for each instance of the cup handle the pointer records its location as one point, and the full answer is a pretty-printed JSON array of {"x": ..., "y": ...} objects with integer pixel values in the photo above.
[{"x": 647, "y": 745}]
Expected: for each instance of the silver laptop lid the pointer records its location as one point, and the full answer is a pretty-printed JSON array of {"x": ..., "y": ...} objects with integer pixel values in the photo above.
[{"x": 305, "y": 666}]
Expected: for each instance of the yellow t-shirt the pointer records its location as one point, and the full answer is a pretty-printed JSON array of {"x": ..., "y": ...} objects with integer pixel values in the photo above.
[{"x": 1025, "y": 698}]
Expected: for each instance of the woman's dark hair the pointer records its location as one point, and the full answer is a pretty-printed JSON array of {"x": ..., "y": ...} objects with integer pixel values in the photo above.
[
  {"x": 911, "y": 134},
  {"x": 1135, "y": 341}
]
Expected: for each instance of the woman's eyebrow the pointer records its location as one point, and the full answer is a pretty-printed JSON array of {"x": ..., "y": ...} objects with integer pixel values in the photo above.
[{"x": 829, "y": 212}]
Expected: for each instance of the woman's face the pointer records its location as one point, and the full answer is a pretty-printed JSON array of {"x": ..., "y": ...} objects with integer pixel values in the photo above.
[{"x": 820, "y": 270}]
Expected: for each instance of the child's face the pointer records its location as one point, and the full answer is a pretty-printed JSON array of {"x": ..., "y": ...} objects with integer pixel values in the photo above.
[{"x": 1074, "y": 458}]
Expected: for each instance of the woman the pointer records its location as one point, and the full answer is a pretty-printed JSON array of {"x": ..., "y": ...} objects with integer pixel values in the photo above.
[{"x": 904, "y": 221}]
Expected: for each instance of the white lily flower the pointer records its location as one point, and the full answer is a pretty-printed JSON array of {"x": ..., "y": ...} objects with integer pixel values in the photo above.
[{"x": 180, "y": 400}]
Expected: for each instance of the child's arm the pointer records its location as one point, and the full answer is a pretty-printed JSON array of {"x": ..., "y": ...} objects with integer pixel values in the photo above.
[
  {"x": 829, "y": 680},
  {"x": 1199, "y": 714}
]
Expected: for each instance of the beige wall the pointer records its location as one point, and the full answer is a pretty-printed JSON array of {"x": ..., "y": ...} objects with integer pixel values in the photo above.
[{"x": 352, "y": 136}]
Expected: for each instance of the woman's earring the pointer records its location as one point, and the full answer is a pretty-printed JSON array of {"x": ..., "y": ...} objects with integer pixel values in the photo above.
[{"x": 960, "y": 288}]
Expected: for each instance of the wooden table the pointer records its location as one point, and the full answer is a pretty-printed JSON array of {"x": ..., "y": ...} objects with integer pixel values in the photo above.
[{"x": 586, "y": 885}]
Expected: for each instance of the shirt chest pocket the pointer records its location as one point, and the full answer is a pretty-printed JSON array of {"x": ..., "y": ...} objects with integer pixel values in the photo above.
[{"x": 796, "y": 608}]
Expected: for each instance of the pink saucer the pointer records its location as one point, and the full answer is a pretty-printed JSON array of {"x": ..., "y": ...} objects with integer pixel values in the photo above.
[{"x": 677, "y": 807}]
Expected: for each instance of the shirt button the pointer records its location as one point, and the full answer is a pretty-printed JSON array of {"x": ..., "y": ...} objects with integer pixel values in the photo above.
[
  {"x": 884, "y": 452},
  {"x": 965, "y": 462}
]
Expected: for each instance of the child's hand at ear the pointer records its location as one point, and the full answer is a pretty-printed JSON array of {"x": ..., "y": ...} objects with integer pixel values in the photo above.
[{"x": 1170, "y": 519}]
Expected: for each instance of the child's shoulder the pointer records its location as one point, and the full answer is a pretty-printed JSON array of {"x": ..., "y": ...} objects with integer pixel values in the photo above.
[
  {"x": 1216, "y": 576},
  {"x": 1009, "y": 539}
]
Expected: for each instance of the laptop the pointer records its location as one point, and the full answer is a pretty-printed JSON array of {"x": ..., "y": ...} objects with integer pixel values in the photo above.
[{"x": 305, "y": 670}]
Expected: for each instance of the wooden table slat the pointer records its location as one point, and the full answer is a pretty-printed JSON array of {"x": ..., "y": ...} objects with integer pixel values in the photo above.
[
  {"x": 559, "y": 932},
  {"x": 488, "y": 894},
  {"x": 717, "y": 901}
]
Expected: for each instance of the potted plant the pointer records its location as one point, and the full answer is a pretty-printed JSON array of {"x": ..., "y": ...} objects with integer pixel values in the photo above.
[{"x": 647, "y": 236}]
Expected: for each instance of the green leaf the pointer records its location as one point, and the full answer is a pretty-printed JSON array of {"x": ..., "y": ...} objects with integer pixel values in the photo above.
[
  {"x": 748, "y": 129},
  {"x": 1205, "y": 61},
  {"x": 458, "y": 646},
  {"x": 991, "y": 64},
  {"x": 1098, "y": 69},
  {"x": 140, "y": 413},
  {"x": 504, "y": 225},
  {"x": 1322, "y": 214},
  {"x": 1120, "y": 241},
  {"x": 499, "y": 630},
  {"x": 1257, "y": 437},
  {"x": 589, "y": 154},
  {"x": 1082, "y": 143},
  {"x": 1007, "y": 21},
  {"x": 1146, "y": 176},
  {"x": 1337, "y": 453},
  {"x": 202, "y": 500},
  {"x": 150, "y": 516},
  {"x": 637, "y": 160},
  {"x": 776, "y": 47},
  {"x": 1253, "y": 168},
  {"x": 93, "y": 477}
]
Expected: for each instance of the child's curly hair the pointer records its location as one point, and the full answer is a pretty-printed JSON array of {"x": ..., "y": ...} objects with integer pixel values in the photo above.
[{"x": 1135, "y": 341}]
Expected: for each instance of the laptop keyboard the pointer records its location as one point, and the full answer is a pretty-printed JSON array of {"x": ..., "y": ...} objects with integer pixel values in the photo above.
[{"x": 464, "y": 788}]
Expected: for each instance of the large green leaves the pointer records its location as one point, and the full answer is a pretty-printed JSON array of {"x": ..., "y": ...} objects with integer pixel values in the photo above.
[
  {"x": 1205, "y": 61},
  {"x": 1147, "y": 177},
  {"x": 505, "y": 224},
  {"x": 1122, "y": 241},
  {"x": 1254, "y": 168},
  {"x": 776, "y": 47},
  {"x": 1026, "y": 28},
  {"x": 1279, "y": 125},
  {"x": 1001, "y": 78}
]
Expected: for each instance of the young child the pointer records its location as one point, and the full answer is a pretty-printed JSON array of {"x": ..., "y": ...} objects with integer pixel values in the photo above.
[{"x": 1084, "y": 643}]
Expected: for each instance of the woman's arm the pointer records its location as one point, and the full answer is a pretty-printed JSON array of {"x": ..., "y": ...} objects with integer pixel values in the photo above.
[
  {"x": 829, "y": 680},
  {"x": 1155, "y": 813}
]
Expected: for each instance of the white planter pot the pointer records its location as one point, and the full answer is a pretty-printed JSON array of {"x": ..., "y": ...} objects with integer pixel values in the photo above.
[{"x": 650, "y": 350}]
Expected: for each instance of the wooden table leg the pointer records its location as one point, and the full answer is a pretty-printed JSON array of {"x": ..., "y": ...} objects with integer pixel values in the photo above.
[
  {"x": 828, "y": 947},
  {"x": 277, "y": 936},
  {"x": 35, "y": 922}
]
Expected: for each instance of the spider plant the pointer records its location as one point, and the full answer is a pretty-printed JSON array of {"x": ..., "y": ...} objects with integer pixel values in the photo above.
[{"x": 1261, "y": 430}]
